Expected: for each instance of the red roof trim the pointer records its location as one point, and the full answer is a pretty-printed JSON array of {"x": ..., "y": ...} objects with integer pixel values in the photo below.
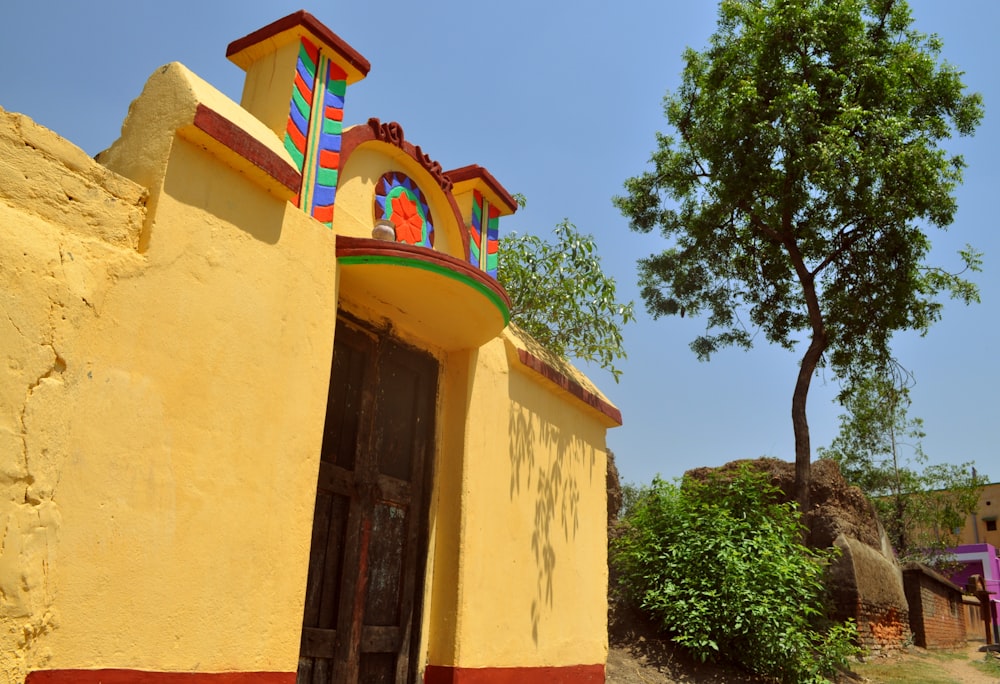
[
  {"x": 354, "y": 246},
  {"x": 245, "y": 145},
  {"x": 572, "y": 386},
  {"x": 473, "y": 171},
  {"x": 312, "y": 24}
]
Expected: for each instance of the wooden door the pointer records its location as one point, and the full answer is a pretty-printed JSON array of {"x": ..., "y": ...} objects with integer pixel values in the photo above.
[{"x": 362, "y": 611}]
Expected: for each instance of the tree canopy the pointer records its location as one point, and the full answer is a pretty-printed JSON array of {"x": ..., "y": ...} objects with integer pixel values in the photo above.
[
  {"x": 797, "y": 189},
  {"x": 562, "y": 298}
]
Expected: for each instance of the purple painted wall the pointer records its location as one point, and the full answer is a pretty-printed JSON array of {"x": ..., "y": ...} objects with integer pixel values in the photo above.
[{"x": 980, "y": 559}]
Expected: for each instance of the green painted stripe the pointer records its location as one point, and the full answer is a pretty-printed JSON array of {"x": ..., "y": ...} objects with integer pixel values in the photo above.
[
  {"x": 300, "y": 103},
  {"x": 333, "y": 127},
  {"x": 327, "y": 177},
  {"x": 307, "y": 60},
  {"x": 337, "y": 87},
  {"x": 292, "y": 150},
  {"x": 410, "y": 262}
]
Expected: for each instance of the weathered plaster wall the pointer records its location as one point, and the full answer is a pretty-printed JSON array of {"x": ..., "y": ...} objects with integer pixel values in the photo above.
[
  {"x": 165, "y": 407},
  {"x": 68, "y": 232},
  {"x": 976, "y": 529}
]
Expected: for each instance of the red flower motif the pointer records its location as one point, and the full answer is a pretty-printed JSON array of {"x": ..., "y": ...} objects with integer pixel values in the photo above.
[{"x": 406, "y": 217}]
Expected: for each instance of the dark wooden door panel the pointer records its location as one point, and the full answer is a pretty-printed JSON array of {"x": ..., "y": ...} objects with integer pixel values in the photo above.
[
  {"x": 369, "y": 529},
  {"x": 318, "y": 643},
  {"x": 385, "y": 566},
  {"x": 326, "y": 566}
]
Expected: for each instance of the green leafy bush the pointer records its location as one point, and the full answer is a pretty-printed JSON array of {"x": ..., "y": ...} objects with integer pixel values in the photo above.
[
  {"x": 561, "y": 297},
  {"x": 720, "y": 565}
]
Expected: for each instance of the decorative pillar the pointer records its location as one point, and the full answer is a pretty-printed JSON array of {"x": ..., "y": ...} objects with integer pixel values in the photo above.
[
  {"x": 298, "y": 71},
  {"x": 482, "y": 201}
]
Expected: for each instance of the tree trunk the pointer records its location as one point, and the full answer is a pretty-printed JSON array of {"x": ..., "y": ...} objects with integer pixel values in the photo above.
[
  {"x": 803, "y": 452},
  {"x": 817, "y": 345}
]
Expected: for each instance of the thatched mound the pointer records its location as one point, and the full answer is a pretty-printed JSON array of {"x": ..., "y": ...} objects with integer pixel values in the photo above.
[{"x": 837, "y": 508}]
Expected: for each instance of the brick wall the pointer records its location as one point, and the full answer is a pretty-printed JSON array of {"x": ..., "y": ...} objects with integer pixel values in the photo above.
[
  {"x": 881, "y": 629},
  {"x": 937, "y": 613}
]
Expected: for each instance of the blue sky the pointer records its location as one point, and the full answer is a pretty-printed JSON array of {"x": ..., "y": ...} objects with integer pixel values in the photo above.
[{"x": 560, "y": 101}]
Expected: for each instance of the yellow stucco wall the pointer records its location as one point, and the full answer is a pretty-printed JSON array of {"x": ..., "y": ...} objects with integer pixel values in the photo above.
[
  {"x": 167, "y": 406},
  {"x": 535, "y": 522},
  {"x": 975, "y": 529},
  {"x": 167, "y": 332}
]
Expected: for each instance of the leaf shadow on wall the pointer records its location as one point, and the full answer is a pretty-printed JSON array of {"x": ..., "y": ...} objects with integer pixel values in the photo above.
[{"x": 548, "y": 461}]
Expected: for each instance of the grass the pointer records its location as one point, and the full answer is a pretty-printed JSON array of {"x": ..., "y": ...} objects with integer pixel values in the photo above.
[
  {"x": 988, "y": 665},
  {"x": 918, "y": 667}
]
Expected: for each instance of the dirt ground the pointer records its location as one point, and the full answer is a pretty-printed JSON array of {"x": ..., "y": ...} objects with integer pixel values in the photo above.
[
  {"x": 637, "y": 654},
  {"x": 657, "y": 662},
  {"x": 919, "y": 665}
]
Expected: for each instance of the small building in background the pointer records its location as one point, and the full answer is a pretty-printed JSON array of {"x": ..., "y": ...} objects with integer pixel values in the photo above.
[
  {"x": 981, "y": 526},
  {"x": 980, "y": 560},
  {"x": 937, "y": 612}
]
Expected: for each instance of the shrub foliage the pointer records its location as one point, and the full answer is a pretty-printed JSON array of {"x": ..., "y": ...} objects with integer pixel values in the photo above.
[
  {"x": 720, "y": 565},
  {"x": 562, "y": 298}
]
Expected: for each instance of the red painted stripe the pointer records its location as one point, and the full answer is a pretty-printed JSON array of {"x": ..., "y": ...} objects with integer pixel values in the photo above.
[
  {"x": 328, "y": 159},
  {"x": 295, "y": 134},
  {"x": 334, "y": 113},
  {"x": 337, "y": 73},
  {"x": 146, "y": 677},
  {"x": 245, "y": 145},
  {"x": 323, "y": 214},
  {"x": 311, "y": 50},
  {"x": 572, "y": 674},
  {"x": 305, "y": 90}
]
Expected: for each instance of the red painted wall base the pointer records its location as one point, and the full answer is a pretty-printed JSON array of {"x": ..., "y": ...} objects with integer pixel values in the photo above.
[
  {"x": 574, "y": 674},
  {"x": 145, "y": 677}
]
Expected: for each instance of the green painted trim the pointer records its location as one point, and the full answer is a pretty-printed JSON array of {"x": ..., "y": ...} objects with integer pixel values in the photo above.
[
  {"x": 300, "y": 103},
  {"x": 410, "y": 262},
  {"x": 295, "y": 154}
]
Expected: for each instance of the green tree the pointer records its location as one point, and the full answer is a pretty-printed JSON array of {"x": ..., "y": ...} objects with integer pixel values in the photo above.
[
  {"x": 720, "y": 565},
  {"x": 879, "y": 449},
  {"x": 805, "y": 161},
  {"x": 562, "y": 298}
]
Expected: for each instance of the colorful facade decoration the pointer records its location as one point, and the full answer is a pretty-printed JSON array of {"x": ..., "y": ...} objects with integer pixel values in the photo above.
[
  {"x": 485, "y": 221},
  {"x": 433, "y": 479},
  {"x": 315, "y": 121},
  {"x": 399, "y": 199}
]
